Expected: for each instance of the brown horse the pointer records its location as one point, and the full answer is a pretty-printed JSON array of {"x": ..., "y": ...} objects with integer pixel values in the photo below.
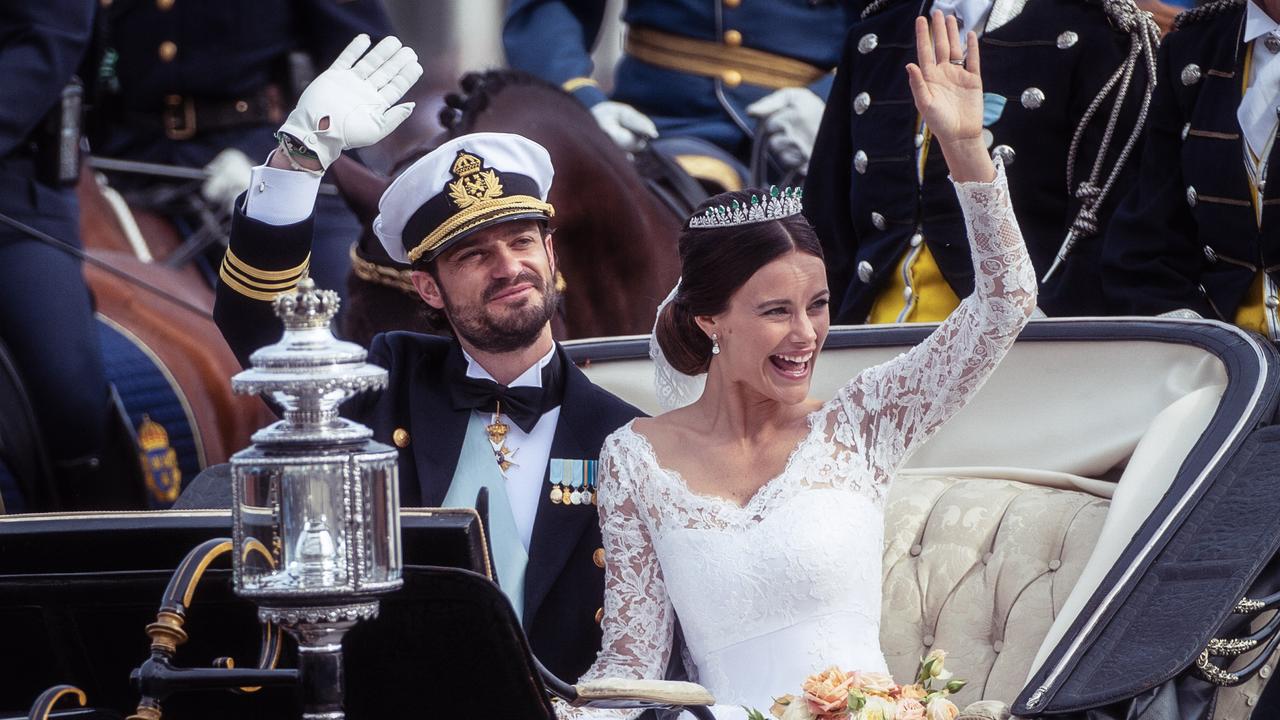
[
  {"x": 167, "y": 314},
  {"x": 615, "y": 240}
]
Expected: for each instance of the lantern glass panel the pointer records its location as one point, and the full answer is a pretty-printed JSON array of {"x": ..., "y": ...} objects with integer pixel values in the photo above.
[{"x": 379, "y": 487}]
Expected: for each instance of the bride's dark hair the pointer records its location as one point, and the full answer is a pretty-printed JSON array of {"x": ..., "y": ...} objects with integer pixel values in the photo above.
[{"x": 714, "y": 263}]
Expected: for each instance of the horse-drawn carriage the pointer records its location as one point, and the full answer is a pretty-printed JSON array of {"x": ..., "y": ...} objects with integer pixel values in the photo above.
[{"x": 1093, "y": 537}]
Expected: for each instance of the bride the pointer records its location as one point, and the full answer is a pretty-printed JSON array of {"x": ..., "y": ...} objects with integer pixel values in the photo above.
[{"x": 756, "y": 514}]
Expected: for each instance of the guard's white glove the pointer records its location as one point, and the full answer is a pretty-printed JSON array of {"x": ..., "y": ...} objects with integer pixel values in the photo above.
[
  {"x": 355, "y": 96},
  {"x": 227, "y": 175},
  {"x": 791, "y": 116},
  {"x": 629, "y": 128}
]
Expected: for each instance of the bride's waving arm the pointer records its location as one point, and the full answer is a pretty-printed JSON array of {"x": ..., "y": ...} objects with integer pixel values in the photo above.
[{"x": 891, "y": 408}]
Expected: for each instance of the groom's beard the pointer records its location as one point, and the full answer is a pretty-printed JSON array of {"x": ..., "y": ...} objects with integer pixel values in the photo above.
[{"x": 508, "y": 331}]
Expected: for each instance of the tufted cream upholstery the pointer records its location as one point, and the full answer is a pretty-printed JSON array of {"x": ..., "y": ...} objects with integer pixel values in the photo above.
[{"x": 979, "y": 567}]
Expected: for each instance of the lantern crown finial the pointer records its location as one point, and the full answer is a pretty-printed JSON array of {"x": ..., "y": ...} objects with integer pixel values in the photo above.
[{"x": 307, "y": 306}]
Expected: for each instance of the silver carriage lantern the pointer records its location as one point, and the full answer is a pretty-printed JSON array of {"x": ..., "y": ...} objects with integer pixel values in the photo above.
[{"x": 316, "y": 492}]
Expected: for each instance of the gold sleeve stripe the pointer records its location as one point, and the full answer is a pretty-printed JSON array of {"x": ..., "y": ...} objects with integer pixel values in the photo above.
[
  {"x": 250, "y": 271},
  {"x": 481, "y": 212},
  {"x": 239, "y": 287},
  {"x": 229, "y": 269},
  {"x": 579, "y": 82}
]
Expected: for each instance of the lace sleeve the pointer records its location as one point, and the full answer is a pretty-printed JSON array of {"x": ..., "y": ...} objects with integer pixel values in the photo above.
[
  {"x": 638, "y": 619},
  {"x": 892, "y": 408}
]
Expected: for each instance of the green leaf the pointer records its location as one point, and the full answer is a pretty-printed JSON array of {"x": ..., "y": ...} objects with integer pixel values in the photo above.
[{"x": 956, "y": 686}]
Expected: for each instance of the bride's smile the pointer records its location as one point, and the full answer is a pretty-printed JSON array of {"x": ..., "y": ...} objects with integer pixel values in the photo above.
[{"x": 772, "y": 331}]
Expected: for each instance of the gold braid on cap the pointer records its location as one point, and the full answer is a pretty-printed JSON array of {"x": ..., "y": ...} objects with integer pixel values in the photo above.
[{"x": 479, "y": 212}]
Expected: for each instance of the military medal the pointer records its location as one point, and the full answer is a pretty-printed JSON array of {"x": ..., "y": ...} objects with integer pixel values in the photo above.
[
  {"x": 497, "y": 432},
  {"x": 573, "y": 482}
]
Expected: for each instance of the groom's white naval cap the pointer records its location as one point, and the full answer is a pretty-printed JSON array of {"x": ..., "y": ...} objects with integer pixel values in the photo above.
[{"x": 465, "y": 185}]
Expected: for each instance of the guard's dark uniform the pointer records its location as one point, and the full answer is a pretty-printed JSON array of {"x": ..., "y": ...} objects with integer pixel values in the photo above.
[
  {"x": 564, "y": 582},
  {"x": 1189, "y": 235},
  {"x": 875, "y": 217},
  {"x": 692, "y": 66},
  {"x": 196, "y": 77},
  {"x": 46, "y": 319}
]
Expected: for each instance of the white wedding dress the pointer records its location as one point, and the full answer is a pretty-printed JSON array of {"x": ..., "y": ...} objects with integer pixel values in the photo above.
[{"x": 790, "y": 583}]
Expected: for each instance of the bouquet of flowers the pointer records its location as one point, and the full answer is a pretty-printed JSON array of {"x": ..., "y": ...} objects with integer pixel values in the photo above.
[{"x": 835, "y": 694}]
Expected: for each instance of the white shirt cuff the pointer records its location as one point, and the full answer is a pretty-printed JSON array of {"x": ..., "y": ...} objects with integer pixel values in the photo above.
[{"x": 281, "y": 197}]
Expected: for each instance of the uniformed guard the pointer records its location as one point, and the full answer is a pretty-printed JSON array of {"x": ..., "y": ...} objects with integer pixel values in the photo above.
[
  {"x": 501, "y": 406},
  {"x": 1199, "y": 231},
  {"x": 185, "y": 80},
  {"x": 1064, "y": 81},
  {"x": 708, "y": 70},
  {"x": 46, "y": 316}
]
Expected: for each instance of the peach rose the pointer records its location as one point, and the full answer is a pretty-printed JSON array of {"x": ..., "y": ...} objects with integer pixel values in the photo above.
[
  {"x": 877, "y": 708},
  {"x": 941, "y": 709},
  {"x": 876, "y": 683},
  {"x": 828, "y": 691},
  {"x": 913, "y": 692},
  {"x": 909, "y": 709},
  {"x": 797, "y": 711}
]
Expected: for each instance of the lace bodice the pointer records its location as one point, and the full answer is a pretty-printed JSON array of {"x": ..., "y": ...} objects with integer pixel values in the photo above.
[{"x": 772, "y": 591}]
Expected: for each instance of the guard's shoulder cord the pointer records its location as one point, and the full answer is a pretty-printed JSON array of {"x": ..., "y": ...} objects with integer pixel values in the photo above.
[
  {"x": 1204, "y": 12},
  {"x": 1144, "y": 38}
]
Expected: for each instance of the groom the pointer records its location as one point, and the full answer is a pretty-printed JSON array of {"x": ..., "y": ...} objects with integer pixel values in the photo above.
[{"x": 500, "y": 406}]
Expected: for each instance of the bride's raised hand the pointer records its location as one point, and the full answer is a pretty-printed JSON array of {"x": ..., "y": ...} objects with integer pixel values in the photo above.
[{"x": 946, "y": 82}]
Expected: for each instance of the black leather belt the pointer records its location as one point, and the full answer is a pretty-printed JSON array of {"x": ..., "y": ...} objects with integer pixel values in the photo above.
[{"x": 183, "y": 116}]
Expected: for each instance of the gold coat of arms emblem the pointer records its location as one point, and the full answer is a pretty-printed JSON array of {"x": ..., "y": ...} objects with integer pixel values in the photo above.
[{"x": 474, "y": 183}]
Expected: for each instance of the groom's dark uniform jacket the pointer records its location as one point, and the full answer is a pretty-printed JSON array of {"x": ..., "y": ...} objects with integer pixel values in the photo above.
[
  {"x": 1041, "y": 69},
  {"x": 564, "y": 582}
]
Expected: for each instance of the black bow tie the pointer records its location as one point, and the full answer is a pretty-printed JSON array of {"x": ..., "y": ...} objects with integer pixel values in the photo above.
[{"x": 523, "y": 405}]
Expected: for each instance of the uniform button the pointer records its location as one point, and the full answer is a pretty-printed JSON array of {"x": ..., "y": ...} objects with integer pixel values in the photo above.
[
  {"x": 242, "y": 106},
  {"x": 907, "y": 293},
  {"x": 997, "y": 646},
  {"x": 732, "y": 78},
  {"x": 599, "y": 615},
  {"x": 1190, "y": 74},
  {"x": 732, "y": 38},
  {"x": 400, "y": 437},
  {"x": 861, "y": 102},
  {"x": 597, "y": 557},
  {"x": 865, "y": 271},
  {"x": 1067, "y": 39},
  {"x": 867, "y": 43},
  {"x": 1210, "y": 255},
  {"x": 732, "y": 3},
  {"x": 860, "y": 162},
  {"x": 916, "y": 240},
  {"x": 919, "y": 139},
  {"x": 1054, "y": 564},
  {"x": 1005, "y": 153},
  {"x": 168, "y": 51},
  {"x": 1032, "y": 98},
  {"x": 1191, "y": 196},
  {"x": 927, "y": 640},
  {"x": 1265, "y": 672},
  {"x": 164, "y": 5},
  {"x": 915, "y": 550},
  {"x": 878, "y": 221}
]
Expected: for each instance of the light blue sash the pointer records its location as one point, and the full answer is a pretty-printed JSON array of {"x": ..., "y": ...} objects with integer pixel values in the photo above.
[{"x": 476, "y": 469}]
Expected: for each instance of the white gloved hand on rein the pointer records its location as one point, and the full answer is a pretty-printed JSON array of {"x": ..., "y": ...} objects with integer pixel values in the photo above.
[
  {"x": 355, "y": 96},
  {"x": 227, "y": 175},
  {"x": 629, "y": 128},
  {"x": 791, "y": 116}
]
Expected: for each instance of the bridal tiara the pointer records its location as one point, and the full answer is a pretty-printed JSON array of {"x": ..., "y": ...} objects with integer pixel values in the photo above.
[{"x": 774, "y": 205}]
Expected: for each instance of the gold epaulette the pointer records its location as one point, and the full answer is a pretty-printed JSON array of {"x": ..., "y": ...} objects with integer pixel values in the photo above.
[{"x": 259, "y": 284}]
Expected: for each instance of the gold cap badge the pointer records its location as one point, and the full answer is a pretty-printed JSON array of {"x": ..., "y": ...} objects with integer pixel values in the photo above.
[{"x": 474, "y": 182}]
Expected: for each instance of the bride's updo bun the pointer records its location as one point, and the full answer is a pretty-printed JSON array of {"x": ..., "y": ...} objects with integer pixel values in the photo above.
[{"x": 714, "y": 263}]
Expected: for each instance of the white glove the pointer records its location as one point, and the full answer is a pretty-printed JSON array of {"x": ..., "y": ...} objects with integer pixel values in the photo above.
[
  {"x": 227, "y": 175},
  {"x": 629, "y": 128},
  {"x": 791, "y": 116},
  {"x": 349, "y": 105}
]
